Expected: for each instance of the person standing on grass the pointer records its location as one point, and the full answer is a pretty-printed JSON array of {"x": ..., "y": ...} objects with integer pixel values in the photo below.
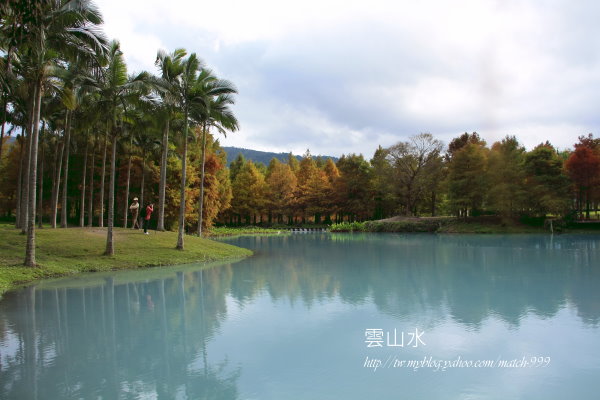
[
  {"x": 135, "y": 208},
  {"x": 149, "y": 209}
]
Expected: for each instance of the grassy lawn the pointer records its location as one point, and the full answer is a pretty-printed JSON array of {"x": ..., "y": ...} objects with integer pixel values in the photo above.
[
  {"x": 246, "y": 230},
  {"x": 62, "y": 252}
]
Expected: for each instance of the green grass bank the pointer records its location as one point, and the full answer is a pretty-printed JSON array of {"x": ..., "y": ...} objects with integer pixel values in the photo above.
[
  {"x": 62, "y": 252},
  {"x": 223, "y": 231},
  {"x": 483, "y": 224}
]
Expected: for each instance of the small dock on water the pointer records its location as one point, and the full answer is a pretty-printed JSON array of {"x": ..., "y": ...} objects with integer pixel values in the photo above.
[{"x": 307, "y": 230}]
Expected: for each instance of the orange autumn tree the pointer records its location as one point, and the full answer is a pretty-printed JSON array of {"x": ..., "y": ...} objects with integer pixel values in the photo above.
[
  {"x": 217, "y": 185},
  {"x": 249, "y": 194},
  {"x": 312, "y": 188},
  {"x": 583, "y": 166},
  {"x": 281, "y": 185}
]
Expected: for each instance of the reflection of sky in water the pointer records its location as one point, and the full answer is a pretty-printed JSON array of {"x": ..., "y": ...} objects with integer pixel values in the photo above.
[{"x": 290, "y": 322}]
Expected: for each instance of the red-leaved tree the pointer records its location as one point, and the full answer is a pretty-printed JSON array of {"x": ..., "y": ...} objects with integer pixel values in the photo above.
[{"x": 583, "y": 166}]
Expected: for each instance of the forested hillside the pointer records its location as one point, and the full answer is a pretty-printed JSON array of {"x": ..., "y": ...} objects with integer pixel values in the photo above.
[{"x": 264, "y": 157}]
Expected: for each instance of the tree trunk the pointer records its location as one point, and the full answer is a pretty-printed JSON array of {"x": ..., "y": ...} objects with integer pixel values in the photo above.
[
  {"x": 160, "y": 226},
  {"x": 201, "y": 200},
  {"x": 56, "y": 184},
  {"x": 82, "y": 205},
  {"x": 63, "y": 207},
  {"x": 4, "y": 105},
  {"x": 101, "y": 217},
  {"x": 587, "y": 202},
  {"x": 30, "y": 247},
  {"x": 20, "y": 183},
  {"x": 25, "y": 189},
  {"x": 41, "y": 178},
  {"x": 142, "y": 184},
  {"x": 126, "y": 210},
  {"x": 183, "y": 184},
  {"x": 91, "y": 194},
  {"x": 110, "y": 250}
]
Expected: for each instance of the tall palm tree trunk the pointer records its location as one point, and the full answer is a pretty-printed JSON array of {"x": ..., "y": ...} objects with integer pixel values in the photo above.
[
  {"x": 201, "y": 200},
  {"x": 91, "y": 195},
  {"x": 163, "y": 179},
  {"x": 143, "y": 182},
  {"x": 41, "y": 176},
  {"x": 82, "y": 202},
  {"x": 20, "y": 184},
  {"x": 25, "y": 189},
  {"x": 126, "y": 209},
  {"x": 110, "y": 250},
  {"x": 4, "y": 105},
  {"x": 183, "y": 185},
  {"x": 63, "y": 207},
  {"x": 30, "y": 247},
  {"x": 54, "y": 165},
  {"x": 101, "y": 217},
  {"x": 56, "y": 184}
]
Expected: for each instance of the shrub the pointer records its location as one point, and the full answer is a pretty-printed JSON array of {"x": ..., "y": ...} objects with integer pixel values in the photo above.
[{"x": 349, "y": 227}]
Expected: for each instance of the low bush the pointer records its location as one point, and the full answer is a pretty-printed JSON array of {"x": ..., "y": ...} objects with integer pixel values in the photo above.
[{"x": 349, "y": 227}]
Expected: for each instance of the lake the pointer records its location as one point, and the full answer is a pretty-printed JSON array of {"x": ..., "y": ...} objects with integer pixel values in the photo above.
[{"x": 320, "y": 316}]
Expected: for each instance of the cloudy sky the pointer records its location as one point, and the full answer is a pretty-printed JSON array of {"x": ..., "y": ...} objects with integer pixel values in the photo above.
[{"x": 343, "y": 76}]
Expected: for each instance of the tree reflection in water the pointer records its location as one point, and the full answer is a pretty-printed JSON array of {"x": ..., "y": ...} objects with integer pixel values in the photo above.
[
  {"x": 148, "y": 333},
  {"x": 114, "y": 339}
]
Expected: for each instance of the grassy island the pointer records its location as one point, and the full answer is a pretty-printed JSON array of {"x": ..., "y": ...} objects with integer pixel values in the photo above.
[{"x": 70, "y": 251}]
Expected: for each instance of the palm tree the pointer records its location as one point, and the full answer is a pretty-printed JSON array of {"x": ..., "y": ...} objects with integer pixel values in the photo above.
[
  {"x": 83, "y": 177},
  {"x": 19, "y": 117},
  {"x": 72, "y": 76},
  {"x": 54, "y": 28},
  {"x": 184, "y": 88},
  {"x": 7, "y": 85},
  {"x": 115, "y": 90},
  {"x": 91, "y": 184},
  {"x": 217, "y": 114},
  {"x": 41, "y": 176},
  {"x": 103, "y": 176},
  {"x": 136, "y": 121},
  {"x": 113, "y": 85},
  {"x": 88, "y": 122},
  {"x": 146, "y": 132},
  {"x": 171, "y": 67},
  {"x": 11, "y": 35},
  {"x": 55, "y": 111},
  {"x": 57, "y": 120}
]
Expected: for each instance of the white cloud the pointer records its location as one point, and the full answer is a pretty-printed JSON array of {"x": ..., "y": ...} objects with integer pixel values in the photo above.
[{"x": 345, "y": 76}]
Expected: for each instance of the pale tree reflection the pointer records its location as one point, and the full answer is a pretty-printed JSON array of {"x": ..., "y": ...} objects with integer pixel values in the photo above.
[
  {"x": 149, "y": 334},
  {"x": 98, "y": 342}
]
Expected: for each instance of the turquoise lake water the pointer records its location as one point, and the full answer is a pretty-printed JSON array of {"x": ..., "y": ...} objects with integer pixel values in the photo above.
[{"x": 320, "y": 316}]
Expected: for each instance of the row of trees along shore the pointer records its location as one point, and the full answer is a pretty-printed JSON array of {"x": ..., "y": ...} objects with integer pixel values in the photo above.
[
  {"x": 420, "y": 177},
  {"x": 87, "y": 137},
  {"x": 78, "y": 117}
]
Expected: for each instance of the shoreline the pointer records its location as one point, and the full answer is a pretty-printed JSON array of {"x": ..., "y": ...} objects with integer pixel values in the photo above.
[
  {"x": 72, "y": 251},
  {"x": 471, "y": 225}
]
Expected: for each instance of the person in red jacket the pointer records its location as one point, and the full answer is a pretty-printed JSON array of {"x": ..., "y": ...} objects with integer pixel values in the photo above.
[{"x": 149, "y": 209}]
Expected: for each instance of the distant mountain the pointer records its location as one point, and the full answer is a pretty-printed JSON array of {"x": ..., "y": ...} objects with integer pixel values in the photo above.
[{"x": 261, "y": 156}]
